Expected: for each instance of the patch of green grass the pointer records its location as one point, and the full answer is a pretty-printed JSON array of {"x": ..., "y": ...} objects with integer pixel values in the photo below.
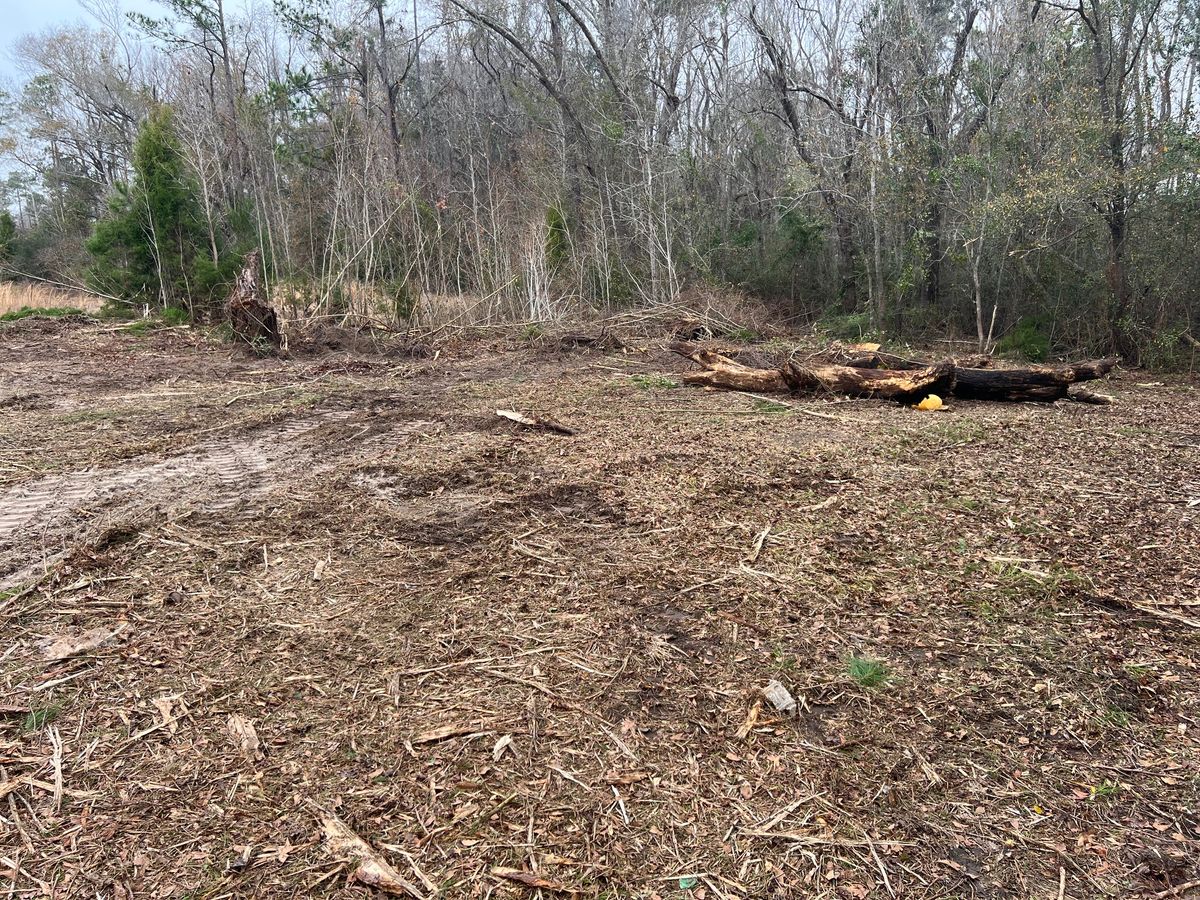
[
  {"x": 960, "y": 431},
  {"x": 52, "y": 312},
  {"x": 532, "y": 331},
  {"x": 91, "y": 415},
  {"x": 745, "y": 335},
  {"x": 963, "y": 504},
  {"x": 1138, "y": 671},
  {"x": 141, "y": 327},
  {"x": 1033, "y": 586},
  {"x": 1105, "y": 790},
  {"x": 10, "y": 592},
  {"x": 37, "y": 719},
  {"x": 866, "y": 672},
  {"x": 1116, "y": 717},
  {"x": 1131, "y": 431},
  {"x": 176, "y": 315},
  {"x": 781, "y": 661},
  {"x": 771, "y": 407},
  {"x": 650, "y": 382},
  {"x": 987, "y": 611}
]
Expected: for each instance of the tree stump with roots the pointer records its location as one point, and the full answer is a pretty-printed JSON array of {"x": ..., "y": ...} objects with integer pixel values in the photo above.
[{"x": 252, "y": 320}]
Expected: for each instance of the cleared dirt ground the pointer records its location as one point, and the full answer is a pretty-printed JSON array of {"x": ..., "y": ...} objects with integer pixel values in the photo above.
[{"x": 484, "y": 647}]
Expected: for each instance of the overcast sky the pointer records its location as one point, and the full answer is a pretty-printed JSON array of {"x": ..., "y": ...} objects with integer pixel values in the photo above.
[{"x": 19, "y": 17}]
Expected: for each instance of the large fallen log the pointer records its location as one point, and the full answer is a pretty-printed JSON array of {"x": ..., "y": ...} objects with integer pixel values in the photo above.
[
  {"x": 1038, "y": 383},
  {"x": 907, "y": 385},
  {"x": 908, "y": 382}
]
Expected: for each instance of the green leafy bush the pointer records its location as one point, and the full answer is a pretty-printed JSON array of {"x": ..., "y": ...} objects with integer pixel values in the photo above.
[{"x": 1027, "y": 340}]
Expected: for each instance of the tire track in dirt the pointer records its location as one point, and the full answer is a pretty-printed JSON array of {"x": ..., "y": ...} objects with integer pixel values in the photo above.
[{"x": 217, "y": 476}]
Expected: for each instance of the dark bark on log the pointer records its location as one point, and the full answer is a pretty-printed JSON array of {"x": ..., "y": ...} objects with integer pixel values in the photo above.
[
  {"x": 1040, "y": 383},
  {"x": 251, "y": 319}
]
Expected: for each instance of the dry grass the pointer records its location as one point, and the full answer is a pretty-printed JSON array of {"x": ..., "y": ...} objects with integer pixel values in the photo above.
[
  {"x": 345, "y": 587},
  {"x": 15, "y": 296}
]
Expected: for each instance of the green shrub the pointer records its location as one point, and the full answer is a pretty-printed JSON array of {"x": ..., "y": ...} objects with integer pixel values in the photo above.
[
  {"x": 558, "y": 238},
  {"x": 175, "y": 315},
  {"x": 847, "y": 327},
  {"x": 402, "y": 298},
  {"x": 1027, "y": 340}
]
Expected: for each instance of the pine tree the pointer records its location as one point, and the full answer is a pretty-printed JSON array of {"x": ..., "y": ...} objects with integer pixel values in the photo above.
[
  {"x": 8, "y": 232},
  {"x": 146, "y": 249}
]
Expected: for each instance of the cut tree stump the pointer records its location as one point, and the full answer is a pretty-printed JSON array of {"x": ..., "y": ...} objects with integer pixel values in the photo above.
[
  {"x": 251, "y": 319},
  {"x": 903, "y": 380}
]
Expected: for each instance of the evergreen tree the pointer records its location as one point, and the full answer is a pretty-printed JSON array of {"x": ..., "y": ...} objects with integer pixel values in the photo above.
[
  {"x": 147, "y": 247},
  {"x": 8, "y": 231}
]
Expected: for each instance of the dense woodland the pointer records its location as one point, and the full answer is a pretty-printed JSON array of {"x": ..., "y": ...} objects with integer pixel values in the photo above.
[{"x": 1023, "y": 171}]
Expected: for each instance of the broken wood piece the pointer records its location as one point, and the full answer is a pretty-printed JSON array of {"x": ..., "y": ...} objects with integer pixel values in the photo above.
[
  {"x": 244, "y": 736},
  {"x": 545, "y": 423},
  {"x": 1083, "y": 395},
  {"x": 531, "y": 880},
  {"x": 442, "y": 732},
  {"x": 720, "y": 371},
  {"x": 747, "y": 726},
  {"x": 65, "y": 646},
  {"x": 372, "y": 870},
  {"x": 625, "y": 778}
]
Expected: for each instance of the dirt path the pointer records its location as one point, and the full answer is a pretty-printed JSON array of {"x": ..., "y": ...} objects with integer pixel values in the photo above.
[{"x": 41, "y": 521}]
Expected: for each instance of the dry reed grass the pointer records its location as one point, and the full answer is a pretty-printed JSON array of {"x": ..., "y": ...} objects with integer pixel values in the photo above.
[{"x": 17, "y": 295}]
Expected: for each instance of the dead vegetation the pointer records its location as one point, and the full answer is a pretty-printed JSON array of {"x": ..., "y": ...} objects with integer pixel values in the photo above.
[{"x": 305, "y": 628}]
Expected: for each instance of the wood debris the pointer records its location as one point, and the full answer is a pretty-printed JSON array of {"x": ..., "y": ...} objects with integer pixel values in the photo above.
[
  {"x": 244, "y": 736},
  {"x": 370, "y": 868},
  {"x": 64, "y": 646},
  {"x": 543, "y": 423},
  {"x": 532, "y": 880}
]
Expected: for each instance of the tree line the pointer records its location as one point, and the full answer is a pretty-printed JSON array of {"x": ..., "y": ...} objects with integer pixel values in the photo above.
[{"x": 1018, "y": 172}]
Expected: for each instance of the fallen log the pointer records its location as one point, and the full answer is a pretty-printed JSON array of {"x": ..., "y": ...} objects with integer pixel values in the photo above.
[
  {"x": 904, "y": 380},
  {"x": 1039, "y": 383},
  {"x": 905, "y": 385},
  {"x": 723, "y": 372}
]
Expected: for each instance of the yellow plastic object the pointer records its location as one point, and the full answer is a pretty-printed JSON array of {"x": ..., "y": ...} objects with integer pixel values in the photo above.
[{"x": 933, "y": 401}]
